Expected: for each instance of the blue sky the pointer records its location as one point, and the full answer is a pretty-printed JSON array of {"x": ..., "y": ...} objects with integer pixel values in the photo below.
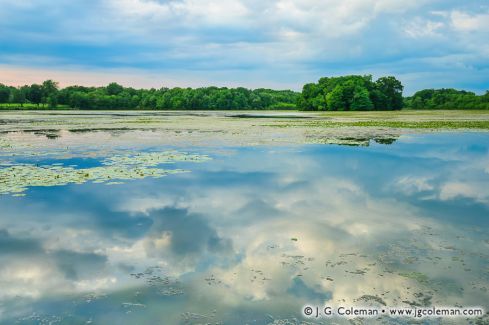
[{"x": 253, "y": 43}]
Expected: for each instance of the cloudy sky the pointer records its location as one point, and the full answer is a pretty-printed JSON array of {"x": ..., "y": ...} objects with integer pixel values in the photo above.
[{"x": 274, "y": 43}]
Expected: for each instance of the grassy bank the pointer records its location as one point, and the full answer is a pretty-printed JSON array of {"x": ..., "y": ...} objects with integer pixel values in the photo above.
[{"x": 29, "y": 107}]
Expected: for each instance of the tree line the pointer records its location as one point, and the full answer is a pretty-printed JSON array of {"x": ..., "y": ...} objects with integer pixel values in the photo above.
[
  {"x": 447, "y": 99},
  {"x": 346, "y": 93},
  {"x": 115, "y": 96},
  {"x": 352, "y": 93}
]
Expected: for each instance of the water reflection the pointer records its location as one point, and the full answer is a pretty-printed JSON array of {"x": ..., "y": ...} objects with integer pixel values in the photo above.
[{"x": 254, "y": 234}]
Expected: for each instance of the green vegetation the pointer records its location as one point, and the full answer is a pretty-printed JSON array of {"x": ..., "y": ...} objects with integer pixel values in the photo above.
[
  {"x": 115, "y": 96},
  {"x": 352, "y": 93},
  {"x": 17, "y": 178},
  {"x": 346, "y": 93},
  {"x": 434, "y": 124},
  {"x": 447, "y": 99},
  {"x": 30, "y": 106},
  {"x": 417, "y": 276}
]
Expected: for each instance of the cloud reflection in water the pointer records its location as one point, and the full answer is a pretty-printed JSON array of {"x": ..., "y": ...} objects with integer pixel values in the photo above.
[{"x": 255, "y": 234}]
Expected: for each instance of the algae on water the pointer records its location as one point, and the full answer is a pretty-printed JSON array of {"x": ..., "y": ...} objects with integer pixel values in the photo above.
[
  {"x": 151, "y": 159},
  {"x": 15, "y": 179}
]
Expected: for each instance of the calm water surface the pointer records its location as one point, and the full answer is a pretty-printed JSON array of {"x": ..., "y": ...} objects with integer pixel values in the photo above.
[{"x": 252, "y": 235}]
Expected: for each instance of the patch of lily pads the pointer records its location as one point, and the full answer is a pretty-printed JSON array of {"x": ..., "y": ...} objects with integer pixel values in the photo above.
[
  {"x": 417, "y": 276},
  {"x": 15, "y": 179}
]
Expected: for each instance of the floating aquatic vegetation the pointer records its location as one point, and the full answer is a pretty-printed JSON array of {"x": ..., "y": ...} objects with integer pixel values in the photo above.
[
  {"x": 170, "y": 292},
  {"x": 358, "y": 272},
  {"x": 410, "y": 260},
  {"x": 18, "y": 178},
  {"x": 94, "y": 296},
  {"x": 163, "y": 285},
  {"x": 191, "y": 318},
  {"x": 5, "y": 144},
  {"x": 182, "y": 128},
  {"x": 417, "y": 276},
  {"x": 385, "y": 123},
  {"x": 41, "y": 319},
  {"x": 290, "y": 321},
  {"x": 131, "y": 304},
  {"x": 424, "y": 299},
  {"x": 484, "y": 320},
  {"x": 371, "y": 298},
  {"x": 211, "y": 280},
  {"x": 151, "y": 159}
]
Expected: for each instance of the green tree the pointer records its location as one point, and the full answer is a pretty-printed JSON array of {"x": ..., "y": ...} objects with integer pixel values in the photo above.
[
  {"x": 115, "y": 96},
  {"x": 4, "y": 94},
  {"x": 34, "y": 94},
  {"x": 52, "y": 101},
  {"x": 447, "y": 99},
  {"x": 341, "y": 93},
  {"x": 114, "y": 88},
  {"x": 379, "y": 99},
  {"x": 361, "y": 100},
  {"x": 50, "y": 93},
  {"x": 309, "y": 91},
  {"x": 18, "y": 95},
  {"x": 49, "y": 87},
  {"x": 335, "y": 99},
  {"x": 392, "y": 90}
]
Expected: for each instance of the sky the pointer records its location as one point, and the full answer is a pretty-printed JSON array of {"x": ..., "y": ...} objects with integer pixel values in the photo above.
[{"x": 279, "y": 44}]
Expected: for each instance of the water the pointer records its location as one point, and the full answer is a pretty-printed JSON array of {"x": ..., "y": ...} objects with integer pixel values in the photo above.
[{"x": 249, "y": 235}]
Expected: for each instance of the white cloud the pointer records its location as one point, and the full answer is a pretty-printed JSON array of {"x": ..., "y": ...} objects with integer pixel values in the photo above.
[
  {"x": 420, "y": 27},
  {"x": 476, "y": 191},
  {"x": 465, "y": 22},
  {"x": 412, "y": 184},
  {"x": 249, "y": 42},
  {"x": 185, "y": 11},
  {"x": 331, "y": 18}
]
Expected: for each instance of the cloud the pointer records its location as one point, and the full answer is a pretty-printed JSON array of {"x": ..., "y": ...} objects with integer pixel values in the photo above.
[
  {"x": 475, "y": 191},
  {"x": 17, "y": 246},
  {"x": 466, "y": 22},
  {"x": 181, "y": 236},
  {"x": 29, "y": 269},
  {"x": 76, "y": 265},
  {"x": 413, "y": 184},
  {"x": 232, "y": 224},
  {"x": 423, "y": 28},
  {"x": 280, "y": 43}
]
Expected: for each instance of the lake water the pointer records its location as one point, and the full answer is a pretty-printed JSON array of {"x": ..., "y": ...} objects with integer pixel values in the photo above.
[{"x": 243, "y": 235}]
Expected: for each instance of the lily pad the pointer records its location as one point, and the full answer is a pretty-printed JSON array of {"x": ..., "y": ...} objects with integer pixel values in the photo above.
[{"x": 18, "y": 178}]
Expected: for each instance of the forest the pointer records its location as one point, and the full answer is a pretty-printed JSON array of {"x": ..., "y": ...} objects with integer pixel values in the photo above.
[
  {"x": 447, "y": 99},
  {"x": 352, "y": 93},
  {"x": 345, "y": 93},
  {"x": 115, "y": 96}
]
